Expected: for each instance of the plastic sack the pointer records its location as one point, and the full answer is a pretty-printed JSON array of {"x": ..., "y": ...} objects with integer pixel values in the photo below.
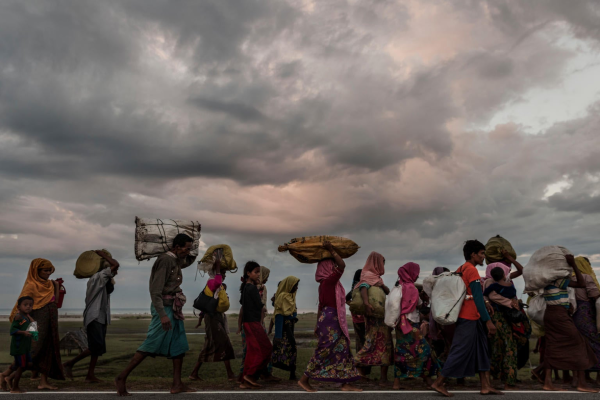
[
  {"x": 572, "y": 299},
  {"x": 429, "y": 283},
  {"x": 494, "y": 247},
  {"x": 392, "y": 306},
  {"x": 545, "y": 266},
  {"x": 33, "y": 329},
  {"x": 154, "y": 237},
  {"x": 537, "y": 308},
  {"x": 598, "y": 314},
  {"x": 88, "y": 263},
  {"x": 309, "y": 249},
  {"x": 376, "y": 299},
  {"x": 223, "y": 304},
  {"x": 227, "y": 261},
  {"x": 447, "y": 297}
]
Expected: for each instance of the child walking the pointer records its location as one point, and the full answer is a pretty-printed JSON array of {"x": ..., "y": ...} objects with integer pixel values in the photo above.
[
  {"x": 96, "y": 316},
  {"x": 20, "y": 344}
]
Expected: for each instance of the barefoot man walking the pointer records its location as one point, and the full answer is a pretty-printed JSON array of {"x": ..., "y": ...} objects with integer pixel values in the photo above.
[{"x": 166, "y": 333}]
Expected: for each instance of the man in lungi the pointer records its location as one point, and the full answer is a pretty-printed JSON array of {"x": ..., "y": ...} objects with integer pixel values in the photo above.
[
  {"x": 470, "y": 353},
  {"x": 166, "y": 333}
]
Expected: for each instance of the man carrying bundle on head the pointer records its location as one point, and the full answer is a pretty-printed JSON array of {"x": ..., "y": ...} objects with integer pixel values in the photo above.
[{"x": 166, "y": 333}]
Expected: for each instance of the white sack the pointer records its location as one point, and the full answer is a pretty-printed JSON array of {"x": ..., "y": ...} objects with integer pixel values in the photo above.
[
  {"x": 447, "y": 297},
  {"x": 392, "y": 306},
  {"x": 572, "y": 299},
  {"x": 428, "y": 284},
  {"x": 537, "y": 308},
  {"x": 545, "y": 266},
  {"x": 598, "y": 314},
  {"x": 154, "y": 237}
]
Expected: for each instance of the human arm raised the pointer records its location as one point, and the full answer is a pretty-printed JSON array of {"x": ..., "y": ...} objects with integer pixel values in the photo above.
[
  {"x": 518, "y": 266},
  {"x": 336, "y": 257},
  {"x": 580, "y": 280}
]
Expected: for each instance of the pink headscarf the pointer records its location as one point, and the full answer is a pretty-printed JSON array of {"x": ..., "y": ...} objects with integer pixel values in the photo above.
[
  {"x": 372, "y": 271},
  {"x": 490, "y": 267},
  {"x": 407, "y": 275},
  {"x": 324, "y": 270}
]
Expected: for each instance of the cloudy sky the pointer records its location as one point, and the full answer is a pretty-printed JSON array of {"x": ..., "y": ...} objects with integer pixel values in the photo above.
[{"x": 408, "y": 126}]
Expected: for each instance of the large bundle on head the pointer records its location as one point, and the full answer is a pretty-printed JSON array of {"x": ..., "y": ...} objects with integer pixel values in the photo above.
[
  {"x": 88, "y": 263},
  {"x": 227, "y": 261},
  {"x": 154, "y": 237},
  {"x": 494, "y": 247},
  {"x": 309, "y": 249},
  {"x": 545, "y": 266}
]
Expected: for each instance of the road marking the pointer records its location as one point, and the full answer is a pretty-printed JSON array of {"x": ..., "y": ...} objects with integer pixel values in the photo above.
[{"x": 301, "y": 391}]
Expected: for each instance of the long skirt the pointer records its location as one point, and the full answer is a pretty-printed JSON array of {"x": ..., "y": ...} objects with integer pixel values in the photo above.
[
  {"x": 503, "y": 346},
  {"x": 244, "y": 350},
  {"x": 284, "y": 350},
  {"x": 360, "y": 329},
  {"x": 332, "y": 360},
  {"x": 258, "y": 349},
  {"x": 414, "y": 356},
  {"x": 469, "y": 353},
  {"x": 45, "y": 353},
  {"x": 378, "y": 347},
  {"x": 217, "y": 346},
  {"x": 585, "y": 321},
  {"x": 566, "y": 348},
  {"x": 171, "y": 344}
]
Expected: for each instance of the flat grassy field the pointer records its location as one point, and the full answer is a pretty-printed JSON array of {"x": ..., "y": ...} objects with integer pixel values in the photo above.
[{"x": 126, "y": 334}]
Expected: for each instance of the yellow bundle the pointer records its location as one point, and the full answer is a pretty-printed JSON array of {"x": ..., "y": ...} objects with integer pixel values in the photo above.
[
  {"x": 227, "y": 261},
  {"x": 88, "y": 264},
  {"x": 309, "y": 249},
  {"x": 494, "y": 247}
]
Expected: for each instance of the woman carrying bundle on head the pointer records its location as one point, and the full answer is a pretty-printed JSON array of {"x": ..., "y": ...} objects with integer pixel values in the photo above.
[
  {"x": 285, "y": 315},
  {"x": 413, "y": 357},
  {"x": 332, "y": 360},
  {"x": 258, "y": 345},
  {"x": 378, "y": 348},
  {"x": 359, "y": 325}
]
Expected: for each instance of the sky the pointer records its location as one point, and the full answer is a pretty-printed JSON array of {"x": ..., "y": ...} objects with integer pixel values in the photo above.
[{"x": 407, "y": 126}]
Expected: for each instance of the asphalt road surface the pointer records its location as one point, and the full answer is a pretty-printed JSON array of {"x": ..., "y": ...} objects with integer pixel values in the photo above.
[{"x": 294, "y": 395}]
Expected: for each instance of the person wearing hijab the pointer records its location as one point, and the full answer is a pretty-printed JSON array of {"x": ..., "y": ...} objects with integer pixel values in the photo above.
[
  {"x": 45, "y": 352},
  {"x": 332, "y": 360},
  {"x": 413, "y": 357},
  {"x": 378, "y": 347},
  {"x": 358, "y": 322},
  {"x": 262, "y": 287},
  {"x": 585, "y": 316},
  {"x": 284, "y": 342},
  {"x": 503, "y": 345}
]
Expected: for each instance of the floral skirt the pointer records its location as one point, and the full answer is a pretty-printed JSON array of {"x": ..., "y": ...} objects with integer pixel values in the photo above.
[
  {"x": 585, "y": 321},
  {"x": 284, "y": 350},
  {"x": 332, "y": 360},
  {"x": 503, "y": 346},
  {"x": 45, "y": 352},
  {"x": 217, "y": 346},
  {"x": 378, "y": 347},
  {"x": 414, "y": 356}
]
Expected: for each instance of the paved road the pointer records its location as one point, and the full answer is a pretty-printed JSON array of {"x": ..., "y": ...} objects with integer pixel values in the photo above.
[{"x": 323, "y": 395}]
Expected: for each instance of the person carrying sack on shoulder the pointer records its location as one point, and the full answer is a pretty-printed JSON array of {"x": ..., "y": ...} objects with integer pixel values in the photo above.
[{"x": 470, "y": 352}]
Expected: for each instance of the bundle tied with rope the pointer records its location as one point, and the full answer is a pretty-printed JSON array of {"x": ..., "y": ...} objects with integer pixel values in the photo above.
[
  {"x": 309, "y": 249},
  {"x": 154, "y": 237}
]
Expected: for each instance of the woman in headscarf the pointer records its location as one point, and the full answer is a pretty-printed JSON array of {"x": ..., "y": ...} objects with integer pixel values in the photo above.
[
  {"x": 262, "y": 287},
  {"x": 332, "y": 360},
  {"x": 45, "y": 352},
  {"x": 284, "y": 342},
  {"x": 413, "y": 357},
  {"x": 503, "y": 345},
  {"x": 585, "y": 316},
  {"x": 358, "y": 322},
  {"x": 378, "y": 348}
]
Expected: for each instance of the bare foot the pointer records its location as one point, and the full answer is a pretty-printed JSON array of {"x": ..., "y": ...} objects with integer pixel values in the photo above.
[
  {"x": 18, "y": 390},
  {"x": 93, "y": 379},
  {"x": 244, "y": 386},
  {"x": 537, "y": 376},
  {"x": 551, "y": 388},
  {"x": 251, "y": 381},
  {"x": 8, "y": 383},
  {"x": 307, "y": 387},
  {"x": 441, "y": 389},
  {"x": 491, "y": 392},
  {"x": 196, "y": 378},
  {"x": 271, "y": 378},
  {"x": 47, "y": 386},
  {"x": 182, "y": 388},
  {"x": 68, "y": 371},
  {"x": 4, "y": 385},
  {"x": 586, "y": 389},
  {"x": 121, "y": 387},
  {"x": 348, "y": 387},
  {"x": 230, "y": 378},
  {"x": 510, "y": 387},
  {"x": 397, "y": 385}
]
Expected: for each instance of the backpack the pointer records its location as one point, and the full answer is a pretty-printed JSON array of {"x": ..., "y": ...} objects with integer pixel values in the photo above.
[
  {"x": 392, "y": 306},
  {"x": 447, "y": 297}
]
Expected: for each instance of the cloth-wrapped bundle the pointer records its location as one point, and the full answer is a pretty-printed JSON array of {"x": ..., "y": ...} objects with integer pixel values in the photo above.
[
  {"x": 88, "y": 263},
  {"x": 494, "y": 247},
  {"x": 154, "y": 237},
  {"x": 227, "y": 261},
  {"x": 376, "y": 299},
  {"x": 545, "y": 266},
  {"x": 309, "y": 249}
]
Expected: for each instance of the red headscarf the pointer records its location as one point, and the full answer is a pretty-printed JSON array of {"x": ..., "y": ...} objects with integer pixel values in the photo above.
[
  {"x": 372, "y": 271},
  {"x": 324, "y": 270},
  {"x": 407, "y": 275},
  {"x": 490, "y": 267}
]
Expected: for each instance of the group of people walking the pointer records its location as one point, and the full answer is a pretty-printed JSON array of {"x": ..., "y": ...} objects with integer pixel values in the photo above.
[{"x": 490, "y": 337}]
